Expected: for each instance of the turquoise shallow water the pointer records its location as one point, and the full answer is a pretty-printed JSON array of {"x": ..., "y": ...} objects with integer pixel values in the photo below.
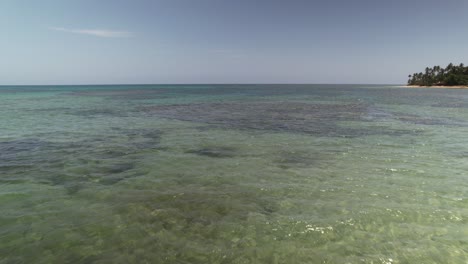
[{"x": 233, "y": 174}]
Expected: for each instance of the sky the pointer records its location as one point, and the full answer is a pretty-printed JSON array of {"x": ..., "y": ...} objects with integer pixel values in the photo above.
[{"x": 227, "y": 41}]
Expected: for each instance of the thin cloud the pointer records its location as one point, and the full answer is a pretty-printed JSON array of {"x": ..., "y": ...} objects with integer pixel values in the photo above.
[{"x": 103, "y": 33}]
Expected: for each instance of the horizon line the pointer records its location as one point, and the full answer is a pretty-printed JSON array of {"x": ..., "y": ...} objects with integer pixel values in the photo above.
[{"x": 121, "y": 84}]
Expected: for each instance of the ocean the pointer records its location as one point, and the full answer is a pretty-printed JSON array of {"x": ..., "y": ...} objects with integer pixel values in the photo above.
[{"x": 233, "y": 174}]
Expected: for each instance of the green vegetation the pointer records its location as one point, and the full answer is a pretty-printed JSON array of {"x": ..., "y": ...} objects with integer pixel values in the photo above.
[{"x": 450, "y": 76}]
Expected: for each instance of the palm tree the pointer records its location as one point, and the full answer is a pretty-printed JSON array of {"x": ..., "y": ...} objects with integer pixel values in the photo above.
[
  {"x": 449, "y": 67},
  {"x": 409, "y": 79}
]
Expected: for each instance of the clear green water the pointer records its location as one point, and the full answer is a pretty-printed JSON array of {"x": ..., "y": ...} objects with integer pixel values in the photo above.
[{"x": 233, "y": 174}]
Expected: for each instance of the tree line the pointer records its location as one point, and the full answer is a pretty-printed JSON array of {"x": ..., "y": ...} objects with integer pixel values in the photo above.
[{"x": 449, "y": 76}]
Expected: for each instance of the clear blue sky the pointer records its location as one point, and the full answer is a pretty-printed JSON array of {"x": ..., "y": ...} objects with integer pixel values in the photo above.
[{"x": 227, "y": 41}]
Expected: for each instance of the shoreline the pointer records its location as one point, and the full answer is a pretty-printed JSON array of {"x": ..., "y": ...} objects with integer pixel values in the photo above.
[{"x": 437, "y": 86}]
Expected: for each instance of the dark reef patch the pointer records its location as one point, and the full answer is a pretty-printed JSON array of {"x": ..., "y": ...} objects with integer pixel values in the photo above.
[
  {"x": 214, "y": 152},
  {"x": 290, "y": 159},
  {"x": 22, "y": 155},
  {"x": 118, "y": 168},
  {"x": 14, "y": 147},
  {"x": 451, "y": 104},
  {"x": 75, "y": 164},
  {"x": 282, "y": 116},
  {"x": 98, "y": 112},
  {"x": 430, "y": 121},
  {"x": 125, "y": 94}
]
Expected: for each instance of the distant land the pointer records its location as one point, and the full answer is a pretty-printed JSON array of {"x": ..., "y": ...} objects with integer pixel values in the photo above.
[{"x": 437, "y": 77}]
